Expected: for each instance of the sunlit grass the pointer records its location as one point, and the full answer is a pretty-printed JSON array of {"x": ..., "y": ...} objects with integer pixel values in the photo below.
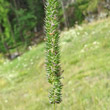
[{"x": 85, "y": 58}]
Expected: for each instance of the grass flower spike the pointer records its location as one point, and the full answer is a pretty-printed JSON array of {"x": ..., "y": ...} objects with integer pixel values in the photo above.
[{"x": 52, "y": 51}]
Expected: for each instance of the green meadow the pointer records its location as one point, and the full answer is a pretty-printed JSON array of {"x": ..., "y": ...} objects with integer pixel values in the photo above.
[{"x": 85, "y": 59}]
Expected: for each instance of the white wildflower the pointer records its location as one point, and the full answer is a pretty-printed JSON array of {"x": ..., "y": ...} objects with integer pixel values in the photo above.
[
  {"x": 86, "y": 33},
  {"x": 82, "y": 51},
  {"x": 30, "y": 48},
  {"x": 78, "y": 33},
  {"x": 70, "y": 82},
  {"x": 96, "y": 43},
  {"x": 25, "y": 65},
  {"x": 80, "y": 28},
  {"x": 93, "y": 32},
  {"x": 85, "y": 45},
  {"x": 19, "y": 58},
  {"x": 6, "y": 101},
  {"x": 32, "y": 63}
]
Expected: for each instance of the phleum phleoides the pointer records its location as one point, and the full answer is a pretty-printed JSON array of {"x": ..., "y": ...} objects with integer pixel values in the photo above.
[{"x": 52, "y": 51}]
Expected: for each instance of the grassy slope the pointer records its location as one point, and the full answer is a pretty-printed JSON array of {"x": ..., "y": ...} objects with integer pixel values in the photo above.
[{"x": 85, "y": 57}]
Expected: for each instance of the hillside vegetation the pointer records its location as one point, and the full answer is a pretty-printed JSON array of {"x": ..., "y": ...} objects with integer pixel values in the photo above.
[{"x": 85, "y": 58}]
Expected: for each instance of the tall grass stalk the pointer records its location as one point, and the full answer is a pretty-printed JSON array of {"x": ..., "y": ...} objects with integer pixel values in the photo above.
[{"x": 53, "y": 67}]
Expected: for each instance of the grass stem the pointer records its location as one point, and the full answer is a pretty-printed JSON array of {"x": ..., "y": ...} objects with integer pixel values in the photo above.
[{"x": 54, "y": 107}]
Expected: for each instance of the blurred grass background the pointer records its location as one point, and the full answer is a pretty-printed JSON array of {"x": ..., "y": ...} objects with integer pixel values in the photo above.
[{"x": 85, "y": 59}]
